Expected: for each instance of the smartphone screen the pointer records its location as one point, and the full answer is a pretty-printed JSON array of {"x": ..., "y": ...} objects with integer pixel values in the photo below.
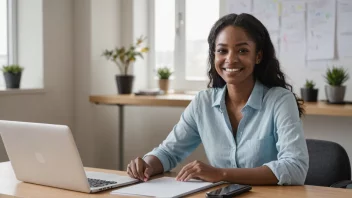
[{"x": 228, "y": 190}]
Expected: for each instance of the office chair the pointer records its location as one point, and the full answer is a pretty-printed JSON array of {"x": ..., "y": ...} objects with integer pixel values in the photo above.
[{"x": 329, "y": 165}]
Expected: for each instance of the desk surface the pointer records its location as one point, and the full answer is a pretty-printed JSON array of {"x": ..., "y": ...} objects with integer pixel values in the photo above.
[
  {"x": 11, "y": 187},
  {"x": 182, "y": 100}
]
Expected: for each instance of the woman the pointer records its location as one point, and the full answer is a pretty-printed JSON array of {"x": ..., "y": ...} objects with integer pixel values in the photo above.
[{"x": 248, "y": 120}]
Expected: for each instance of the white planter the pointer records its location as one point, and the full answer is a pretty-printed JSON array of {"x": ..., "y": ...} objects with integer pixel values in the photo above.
[{"x": 335, "y": 94}]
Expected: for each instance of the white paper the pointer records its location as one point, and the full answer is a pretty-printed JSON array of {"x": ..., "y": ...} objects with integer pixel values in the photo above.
[
  {"x": 239, "y": 6},
  {"x": 292, "y": 34},
  {"x": 267, "y": 11},
  {"x": 320, "y": 29},
  {"x": 344, "y": 28},
  {"x": 165, "y": 187}
]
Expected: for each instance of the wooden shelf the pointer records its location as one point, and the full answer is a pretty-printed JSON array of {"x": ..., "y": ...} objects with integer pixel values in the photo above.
[
  {"x": 322, "y": 108},
  {"x": 170, "y": 100},
  {"x": 182, "y": 100}
]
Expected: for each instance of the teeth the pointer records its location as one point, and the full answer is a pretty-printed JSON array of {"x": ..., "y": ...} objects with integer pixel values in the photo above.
[{"x": 232, "y": 70}]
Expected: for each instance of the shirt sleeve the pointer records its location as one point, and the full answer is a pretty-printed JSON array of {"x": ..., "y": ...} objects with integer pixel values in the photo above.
[
  {"x": 292, "y": 165},
  {"x": 182, "y": 140}
]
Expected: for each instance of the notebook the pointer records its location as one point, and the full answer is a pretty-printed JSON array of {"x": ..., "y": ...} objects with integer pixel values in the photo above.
[{"x": 165, "y": 187}]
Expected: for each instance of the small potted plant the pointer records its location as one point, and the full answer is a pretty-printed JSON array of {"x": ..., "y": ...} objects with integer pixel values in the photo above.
[
  {"x": 335, "y": 91},
  {"x": 12, "y": 75},
  {"x": 123, "y": 58},
  {"x": 164, "y": 73},
  {"x": 308, "y": 92}
]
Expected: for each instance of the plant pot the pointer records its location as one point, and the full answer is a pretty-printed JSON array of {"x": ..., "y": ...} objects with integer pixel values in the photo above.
[
  {"x": 335, "y": 94},
  {"x": 164, "y": 85},
  {"x": 124, "y": 84},
  {"x": 309, "y": 95},
  {"x": 12, "y": 81}
]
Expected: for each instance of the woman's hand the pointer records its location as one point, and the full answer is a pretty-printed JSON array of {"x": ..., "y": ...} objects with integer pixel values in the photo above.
[
  {"x": 139, "y": 169},
  {"x": 200, "y": 170}
]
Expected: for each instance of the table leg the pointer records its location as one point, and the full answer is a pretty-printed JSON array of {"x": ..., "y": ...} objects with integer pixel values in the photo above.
[{"x": 121, "y": 136}]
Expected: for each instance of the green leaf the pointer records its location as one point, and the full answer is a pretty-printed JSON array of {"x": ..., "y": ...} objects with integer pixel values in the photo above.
[
  {"x": 309, "y": 84},
  {"x": 164, "y": 72},
  {"x": 14, "y": 69},
  {"x": 123, "y": 56},
  {"x": 336, "y": 76}
]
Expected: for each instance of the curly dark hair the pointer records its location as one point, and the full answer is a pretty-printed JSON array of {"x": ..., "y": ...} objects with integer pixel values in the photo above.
[{"x": 267, "y": 71}]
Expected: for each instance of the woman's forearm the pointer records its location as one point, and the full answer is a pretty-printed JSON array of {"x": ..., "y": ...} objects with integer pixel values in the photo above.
[
  {"x": 155, "y": 163},
  {"x": 251, "y": 176}
]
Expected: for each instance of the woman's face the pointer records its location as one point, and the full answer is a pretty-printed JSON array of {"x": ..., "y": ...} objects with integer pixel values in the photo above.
[{"x": 235, "y": 55}]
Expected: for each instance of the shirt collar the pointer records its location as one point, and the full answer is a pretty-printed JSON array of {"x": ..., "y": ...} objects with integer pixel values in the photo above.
[{"x": 255, "y": 99}]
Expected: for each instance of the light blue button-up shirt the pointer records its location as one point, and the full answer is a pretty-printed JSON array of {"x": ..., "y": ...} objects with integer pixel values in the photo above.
[{"x": 270, "y": 133}]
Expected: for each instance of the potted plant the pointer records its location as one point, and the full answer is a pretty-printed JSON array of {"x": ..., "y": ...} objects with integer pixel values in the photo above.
[
  {"x": 123, "y": 58},
  {"x": 335, "y": 77},
  {"x": 164, "y": 73},
  {"x": 12, "y": 75},
  {"x": 308, "y": 92}
]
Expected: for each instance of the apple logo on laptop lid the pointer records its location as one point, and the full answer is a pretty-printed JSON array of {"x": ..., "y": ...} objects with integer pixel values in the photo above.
[{"x": 40, "y": 158}]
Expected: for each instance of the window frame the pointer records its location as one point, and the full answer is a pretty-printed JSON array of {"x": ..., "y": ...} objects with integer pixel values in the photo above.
[
  {"x": 12, "y": 56},
  {"x": 179, "y": 81},
  {"x": 11, "y": 42}
]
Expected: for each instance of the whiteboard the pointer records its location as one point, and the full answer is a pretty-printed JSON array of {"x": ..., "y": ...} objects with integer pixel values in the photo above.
[{"x": 300, "y": 59}]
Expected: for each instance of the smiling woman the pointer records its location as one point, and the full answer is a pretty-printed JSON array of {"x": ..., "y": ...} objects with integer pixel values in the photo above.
[
  {"x": 251, "y": 46},
  {"x": 248, "y": 119},
  {"x": 235, "y": 56}
]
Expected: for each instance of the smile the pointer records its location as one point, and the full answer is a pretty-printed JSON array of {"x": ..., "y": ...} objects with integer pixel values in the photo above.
[{"x": 232, "y": 70}]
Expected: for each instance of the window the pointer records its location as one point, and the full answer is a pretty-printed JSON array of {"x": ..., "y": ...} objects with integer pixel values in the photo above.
[
  {"x": 3, "y": 32},
  {"x": 164, "y": 32},
  {"x": 7, "y": 34},
  {"x": 180, "y": 29}
]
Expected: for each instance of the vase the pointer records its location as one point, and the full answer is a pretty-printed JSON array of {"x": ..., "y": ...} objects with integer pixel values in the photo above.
[
  {"x": 309, "y": 95},
  {"x": 124, "y": 83},
  {"x": 12, "y": 80},
  {"x": 164, "y": 85},
  {"x": 335, "y": 94}
]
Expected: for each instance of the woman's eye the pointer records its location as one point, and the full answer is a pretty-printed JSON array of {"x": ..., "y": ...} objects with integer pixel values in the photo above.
[
  {"x": 242, "y": 51},
  {"x": 221, "y": 51}
]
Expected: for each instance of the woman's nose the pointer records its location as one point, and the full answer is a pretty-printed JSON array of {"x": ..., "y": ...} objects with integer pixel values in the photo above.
[{"x": 231, "y": 58}]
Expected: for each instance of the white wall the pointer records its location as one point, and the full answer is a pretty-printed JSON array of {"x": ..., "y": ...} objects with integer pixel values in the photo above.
[
  {"x": 84, "y": 28},
  {"x": 55, "y": 104},
  {"x": 145, "y": 127},
  {"x": 97, "y": 25},
  {"x": 100, "y": 25}
]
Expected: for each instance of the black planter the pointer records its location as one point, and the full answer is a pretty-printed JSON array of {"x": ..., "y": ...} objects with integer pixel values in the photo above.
[
  {"x": 309, "y": 95},
  {"x": 12, "y": 80},
  {"x": 124, "y": 84}
]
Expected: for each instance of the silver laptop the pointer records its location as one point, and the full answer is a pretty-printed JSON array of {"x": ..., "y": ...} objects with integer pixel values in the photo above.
[{"x": 46, "y": 154}]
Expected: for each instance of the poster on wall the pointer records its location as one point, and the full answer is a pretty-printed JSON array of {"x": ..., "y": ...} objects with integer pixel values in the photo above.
[
  {"x": 267, "y": 11},
  {"x": 292, "y": 32},
  {"x": 344, "y": 28},
  {"x": 320, "y": 29},
  {"x": 239, "y": 6}
]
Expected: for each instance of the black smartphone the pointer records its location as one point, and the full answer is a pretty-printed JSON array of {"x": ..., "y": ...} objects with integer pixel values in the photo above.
[{"x": 228, "y": 191}]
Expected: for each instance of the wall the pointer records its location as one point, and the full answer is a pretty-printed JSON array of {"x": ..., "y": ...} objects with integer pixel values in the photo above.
[
  {"x": 155, "y": 123},
  {"x": 69, "y": 80},
  {"x": 101, "y": 25},
  {"x": 145, "y": 127},
  {"x": 97, "y": 25},
  {"x": 55, "y": 103}
]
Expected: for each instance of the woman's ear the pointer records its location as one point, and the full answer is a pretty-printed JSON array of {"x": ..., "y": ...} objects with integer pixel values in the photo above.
[{"x": 259, "y": 57}]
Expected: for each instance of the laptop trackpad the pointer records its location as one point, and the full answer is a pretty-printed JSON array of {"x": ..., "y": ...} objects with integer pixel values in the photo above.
[{"x": 109, "y": 177}]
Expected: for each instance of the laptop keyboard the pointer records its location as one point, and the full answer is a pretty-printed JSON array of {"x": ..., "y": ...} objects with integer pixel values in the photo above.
[{"x": 99, "y": 183}]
